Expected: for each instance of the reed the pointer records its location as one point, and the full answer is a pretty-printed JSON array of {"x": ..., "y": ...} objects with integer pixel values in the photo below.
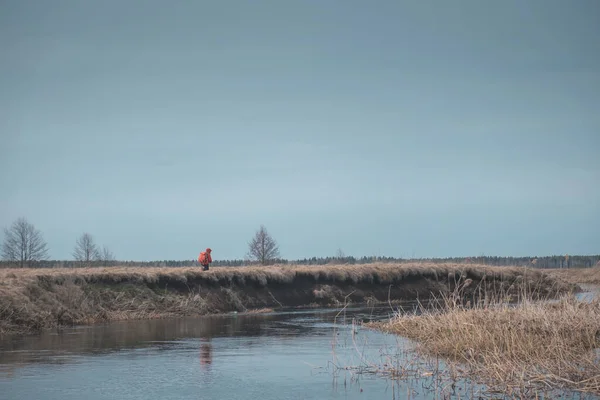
[{"x": 521, "y": 349}]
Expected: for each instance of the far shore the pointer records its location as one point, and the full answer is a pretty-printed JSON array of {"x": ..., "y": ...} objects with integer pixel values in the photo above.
[{"x": 33, "y": 300}]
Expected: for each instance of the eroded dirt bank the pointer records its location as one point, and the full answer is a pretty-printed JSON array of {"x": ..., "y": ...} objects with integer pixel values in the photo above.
[{"x": 37, "y": 299}]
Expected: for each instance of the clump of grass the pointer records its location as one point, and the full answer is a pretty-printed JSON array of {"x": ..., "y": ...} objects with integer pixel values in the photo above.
[
  {"x": 264, "y": 310},
  {"x": 517, "y": 349}
]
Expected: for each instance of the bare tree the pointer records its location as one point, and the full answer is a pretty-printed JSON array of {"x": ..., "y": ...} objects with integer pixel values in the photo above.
[
  {"x": 107, "y": 257},
  {"x": 86, "y": 250},
  {"x": 24, "y": 244},
  {"x": 263, "y": 247}
]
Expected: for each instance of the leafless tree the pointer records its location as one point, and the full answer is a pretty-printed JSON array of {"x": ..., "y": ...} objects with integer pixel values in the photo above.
[
  {"x": 107, "y": 257},
  {"x": 86, "y": 250},
  {"x": 24, "y": 244},
  {"x": 263, "y": 248}
]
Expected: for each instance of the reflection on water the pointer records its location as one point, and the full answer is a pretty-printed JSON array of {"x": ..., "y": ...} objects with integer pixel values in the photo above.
[
  {"x": 205, "y": 353},
  {"x": 161, "y": 334},
  {"x": 129, "y": 335},
  {"x": 267, "y": 356}
]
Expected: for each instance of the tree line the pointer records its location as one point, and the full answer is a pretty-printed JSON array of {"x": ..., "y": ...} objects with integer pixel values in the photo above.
[{"x": 24, "y": 246}]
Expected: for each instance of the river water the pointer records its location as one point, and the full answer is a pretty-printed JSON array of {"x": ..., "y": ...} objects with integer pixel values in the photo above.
[
  {"x": 314, "y": 354},
  {"x": 311, "y": 354}
]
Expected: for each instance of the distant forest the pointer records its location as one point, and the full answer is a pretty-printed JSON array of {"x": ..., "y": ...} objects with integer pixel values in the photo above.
[{"x": 557, "y": 261}]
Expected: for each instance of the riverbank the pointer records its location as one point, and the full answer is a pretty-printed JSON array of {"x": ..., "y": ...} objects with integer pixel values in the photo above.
[
  {"x": 521, "y": 350},
  {"x": 32, "y": 300},
  {"x": 576, "y": 275}
]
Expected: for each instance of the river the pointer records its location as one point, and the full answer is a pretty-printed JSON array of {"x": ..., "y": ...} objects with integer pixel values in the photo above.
[
  {"x": 279, "y": 355},
  {"x": 310, "y": 354}
]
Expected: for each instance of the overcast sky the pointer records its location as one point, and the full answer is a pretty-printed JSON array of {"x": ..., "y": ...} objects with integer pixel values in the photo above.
[{"x": 396, "y": 128}]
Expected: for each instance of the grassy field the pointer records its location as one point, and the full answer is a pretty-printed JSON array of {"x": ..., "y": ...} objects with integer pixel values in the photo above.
[
  {"x": 521, "y": 350},
  {"x": 37, "y": 299}
]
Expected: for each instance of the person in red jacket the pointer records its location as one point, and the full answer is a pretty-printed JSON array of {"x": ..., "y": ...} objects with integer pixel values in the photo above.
[{"x": 205, "y": 259}]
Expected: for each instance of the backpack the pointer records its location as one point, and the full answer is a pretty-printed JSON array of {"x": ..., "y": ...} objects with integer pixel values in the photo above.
[{"x": 203, "y": 259}]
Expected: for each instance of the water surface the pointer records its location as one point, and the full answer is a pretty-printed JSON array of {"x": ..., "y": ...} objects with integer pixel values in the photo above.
[
  {"x": 286, "y": 355},
  {"x": 314, "y": 354}
]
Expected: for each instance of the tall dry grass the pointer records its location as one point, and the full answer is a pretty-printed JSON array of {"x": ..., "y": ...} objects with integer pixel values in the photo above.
[
  {"x": 377, "y": 273},
  {"x": 520, "y": 350}
]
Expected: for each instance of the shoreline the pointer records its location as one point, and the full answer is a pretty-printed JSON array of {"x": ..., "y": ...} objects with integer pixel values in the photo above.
[
  {"x": 35, "y": 300},
  {"x": 528, "y": 349}
]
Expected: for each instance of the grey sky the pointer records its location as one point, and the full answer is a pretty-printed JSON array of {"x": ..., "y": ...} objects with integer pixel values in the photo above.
[{"x": 400, "y": 128}]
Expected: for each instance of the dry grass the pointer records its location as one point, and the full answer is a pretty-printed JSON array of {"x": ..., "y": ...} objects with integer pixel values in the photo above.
[
  {"x": 518, "y": 349},
  {"x": 377, "y": 273},
  {"x": 264, "y": 310},
  {"x": 35, "y": 299},
  {"x": 577, "y": 275}
]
